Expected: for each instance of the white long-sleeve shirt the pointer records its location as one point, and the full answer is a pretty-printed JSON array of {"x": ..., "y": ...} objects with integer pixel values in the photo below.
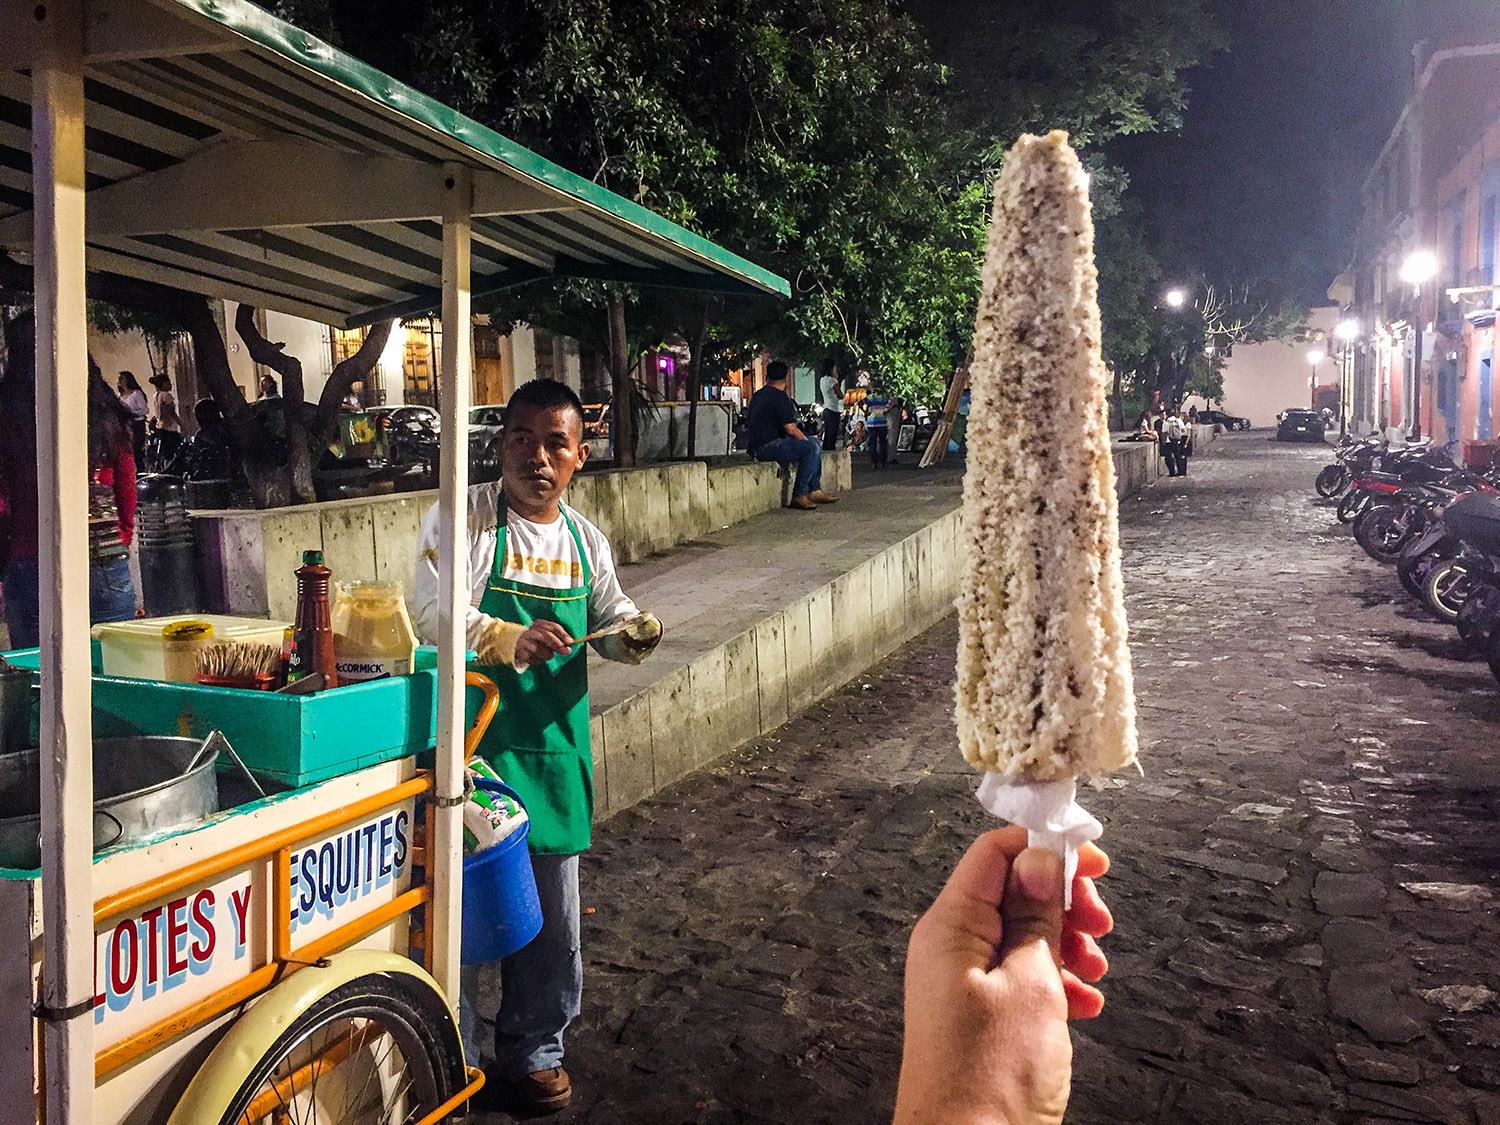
[{"x": 537, "y": 554}]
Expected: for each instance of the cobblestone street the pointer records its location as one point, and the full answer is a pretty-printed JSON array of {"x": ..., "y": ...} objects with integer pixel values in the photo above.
[{"x": 1305, "y": 882}]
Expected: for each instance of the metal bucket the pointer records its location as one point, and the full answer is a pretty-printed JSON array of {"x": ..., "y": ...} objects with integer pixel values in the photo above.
[{"x": 142, "y": 785}]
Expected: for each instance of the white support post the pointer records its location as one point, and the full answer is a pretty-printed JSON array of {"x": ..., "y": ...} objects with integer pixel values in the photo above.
[
  {"x": 57, "y": 112},
  {"x": 453, "y": 577}
]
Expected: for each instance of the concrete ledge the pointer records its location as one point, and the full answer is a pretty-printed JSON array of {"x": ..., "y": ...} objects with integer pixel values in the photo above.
[
  {"x": 681, "y": 717},
  {"x": 247, "y": 557}
]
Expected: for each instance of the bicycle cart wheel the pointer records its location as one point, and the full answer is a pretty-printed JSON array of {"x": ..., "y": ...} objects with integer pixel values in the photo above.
[{"x": 370, "y": 1051}]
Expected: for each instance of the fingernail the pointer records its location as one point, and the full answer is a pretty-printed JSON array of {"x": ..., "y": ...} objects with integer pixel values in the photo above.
[{"x": 1039, "y": 873}]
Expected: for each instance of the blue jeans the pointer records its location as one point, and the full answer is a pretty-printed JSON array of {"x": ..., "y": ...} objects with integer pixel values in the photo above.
[
  {"x": 111, "y": 592},
  {"x": 541, "y": 986},
  {"x": 805, "y": 453},
  {"x": 111, "y": 598},
  {"x": 21, "y": 605}
]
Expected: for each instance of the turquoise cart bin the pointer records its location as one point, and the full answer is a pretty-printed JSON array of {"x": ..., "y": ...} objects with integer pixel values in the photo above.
[{"x": 290, "y": 740}]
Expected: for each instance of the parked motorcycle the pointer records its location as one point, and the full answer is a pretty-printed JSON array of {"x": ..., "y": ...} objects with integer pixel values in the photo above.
[
  {"x": 1352, "y": 458},
  {"x": 1384, "y": 529},
  {"x": 1473, "y": 521}
]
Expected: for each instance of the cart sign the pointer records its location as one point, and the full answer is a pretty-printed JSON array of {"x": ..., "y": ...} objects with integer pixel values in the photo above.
[{"x": 174, "y": 953}]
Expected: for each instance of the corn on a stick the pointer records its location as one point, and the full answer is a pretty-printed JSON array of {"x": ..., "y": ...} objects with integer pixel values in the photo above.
[{"x": 1044, "y": 684}]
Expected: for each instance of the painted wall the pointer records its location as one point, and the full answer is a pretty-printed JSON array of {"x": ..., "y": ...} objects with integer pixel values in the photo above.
[
  {"x": 310, "y": 342},
  {"x": 1262, "y": 380}
]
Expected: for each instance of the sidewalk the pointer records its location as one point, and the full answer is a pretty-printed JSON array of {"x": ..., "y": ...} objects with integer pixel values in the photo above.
[{"x": 767, "y": 617}]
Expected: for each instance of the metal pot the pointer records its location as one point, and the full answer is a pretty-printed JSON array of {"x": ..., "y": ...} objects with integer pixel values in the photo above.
[{"x": 142, "y": 785}]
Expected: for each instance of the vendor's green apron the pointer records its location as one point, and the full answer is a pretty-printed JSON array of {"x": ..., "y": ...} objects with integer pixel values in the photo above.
[{"x": 539, "y": 741}]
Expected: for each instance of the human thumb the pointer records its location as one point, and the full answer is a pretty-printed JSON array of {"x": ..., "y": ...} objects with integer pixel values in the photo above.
[{"x": 1032, "y": 909}]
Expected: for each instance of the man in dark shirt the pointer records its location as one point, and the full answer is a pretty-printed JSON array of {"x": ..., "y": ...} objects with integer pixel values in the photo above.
[{"x": 772, "y": 434}]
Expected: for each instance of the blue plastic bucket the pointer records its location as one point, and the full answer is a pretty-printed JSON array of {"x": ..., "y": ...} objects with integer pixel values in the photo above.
[{"x": 501, "y": 911}]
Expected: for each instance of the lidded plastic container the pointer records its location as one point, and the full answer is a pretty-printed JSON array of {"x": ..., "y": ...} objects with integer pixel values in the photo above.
[
  {"x": 139, "y": 649},
  {"x": 372, "y": 633}
]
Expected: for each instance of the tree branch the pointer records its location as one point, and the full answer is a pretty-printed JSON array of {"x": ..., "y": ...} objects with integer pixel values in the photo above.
[
  {"x": 344, "y": 375},
  {"x": 293, "y": 408}
]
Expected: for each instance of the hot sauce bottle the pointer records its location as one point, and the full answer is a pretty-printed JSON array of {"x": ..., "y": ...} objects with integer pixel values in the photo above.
[{"x": 312, "y": 641}]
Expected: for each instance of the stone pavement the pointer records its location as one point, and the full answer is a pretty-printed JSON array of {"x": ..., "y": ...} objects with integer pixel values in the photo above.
[{"x": 1305, "y": 881}]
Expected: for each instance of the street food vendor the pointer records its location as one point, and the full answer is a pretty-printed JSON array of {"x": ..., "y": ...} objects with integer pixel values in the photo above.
[{"x": 540, "y": 575}]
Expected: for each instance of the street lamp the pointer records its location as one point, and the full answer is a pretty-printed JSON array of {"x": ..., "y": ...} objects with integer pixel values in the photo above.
[
  {"x": 1420, "y": 267},
  {"x": 1176, "y": 298}
]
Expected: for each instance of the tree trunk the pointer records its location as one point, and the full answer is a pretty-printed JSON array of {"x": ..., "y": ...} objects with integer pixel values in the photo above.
[
  {"x": 293, "y": 413},
  {"x": 695, "y": 375},
  {"x": 1117, "y": 403},
  {"x": 268, "y": 480},
  {"x": 622, "y": 401}
]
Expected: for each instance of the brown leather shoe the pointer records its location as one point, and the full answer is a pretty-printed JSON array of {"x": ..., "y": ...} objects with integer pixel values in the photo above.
[
  {"x": 820, "y": 497},
  {"x": 802, "y": 504},
  {"x": 544, "y": 1092}
]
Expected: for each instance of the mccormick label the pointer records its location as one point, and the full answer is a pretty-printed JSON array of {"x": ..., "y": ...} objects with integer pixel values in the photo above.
[{"x": 376, "y": 668}]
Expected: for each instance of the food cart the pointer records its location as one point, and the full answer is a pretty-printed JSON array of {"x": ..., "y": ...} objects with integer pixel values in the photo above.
[{"x": 294, "y": 956}]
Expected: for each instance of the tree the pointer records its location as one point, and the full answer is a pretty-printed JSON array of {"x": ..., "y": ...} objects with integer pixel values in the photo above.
[
  {"x": 277, "y": 455},
  {"x": 811, "y": 136},
  {"x": 1101, "y": 69},
  {"x": 305, "y": 439}
]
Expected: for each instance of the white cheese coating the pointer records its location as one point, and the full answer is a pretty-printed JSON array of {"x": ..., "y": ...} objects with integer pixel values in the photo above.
[{"x": 1044, "y": 685}]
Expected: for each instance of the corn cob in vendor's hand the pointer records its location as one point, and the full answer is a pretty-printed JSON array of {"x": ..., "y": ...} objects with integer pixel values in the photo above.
[{"x": 1044, "y": 692}]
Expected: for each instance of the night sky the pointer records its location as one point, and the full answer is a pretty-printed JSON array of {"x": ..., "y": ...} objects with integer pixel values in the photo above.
[{"x": 1281, "y": 129}]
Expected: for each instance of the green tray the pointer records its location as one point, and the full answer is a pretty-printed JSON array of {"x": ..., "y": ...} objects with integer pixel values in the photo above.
[{"x": 292, "y": 740}]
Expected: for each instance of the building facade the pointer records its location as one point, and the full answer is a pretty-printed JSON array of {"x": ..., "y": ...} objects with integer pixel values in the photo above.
[
  {"x": 405, "y": 373},
  {"x": 1424, "y": 281}
]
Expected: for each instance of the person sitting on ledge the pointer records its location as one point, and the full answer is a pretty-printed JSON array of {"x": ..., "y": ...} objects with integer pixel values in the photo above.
[{"x": 772, "y": 434}]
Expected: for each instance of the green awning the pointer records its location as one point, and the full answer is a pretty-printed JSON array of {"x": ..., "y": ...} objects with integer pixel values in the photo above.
[{"x": 233, "y": 155}]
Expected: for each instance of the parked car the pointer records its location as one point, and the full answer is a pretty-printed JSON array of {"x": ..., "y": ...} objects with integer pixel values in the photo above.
[
  {"x": 1299, "y": 425},
  {"x": 410, "y": 437},
  {"x": 1219, "y": 418},
  {"x": 485, "y": 426}
]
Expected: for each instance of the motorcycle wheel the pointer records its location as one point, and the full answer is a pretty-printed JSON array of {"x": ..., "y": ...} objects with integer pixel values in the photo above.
[
  {"x": 1446, "y": 588},
  {"x": 1383, "y": 531},
  {"x": 1479, "y": 619},
  {"x": 1413, "y": 572},
  {"x": 1332, "y": 481}
]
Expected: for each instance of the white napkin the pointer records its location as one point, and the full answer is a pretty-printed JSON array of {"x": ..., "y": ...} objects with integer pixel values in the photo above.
[{"x": 1050, "y": 813}]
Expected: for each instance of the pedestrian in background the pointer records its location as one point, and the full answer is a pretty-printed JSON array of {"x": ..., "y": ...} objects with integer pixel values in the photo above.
[
  {"x": 831, "y": 393},
  {"x": 111, "y": 502},
  {"x": 129, "y": 390},
  {"x": 877, "y": 429},
  {"x": 165, "y": 420},
  {"x": 267, "y": 388},
  {"x": 1174, "y": 445},
  {"x": 772, "y": 434}
]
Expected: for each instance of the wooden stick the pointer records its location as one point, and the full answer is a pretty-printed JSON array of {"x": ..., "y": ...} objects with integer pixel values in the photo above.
[{"x": 937, "y": 446}]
